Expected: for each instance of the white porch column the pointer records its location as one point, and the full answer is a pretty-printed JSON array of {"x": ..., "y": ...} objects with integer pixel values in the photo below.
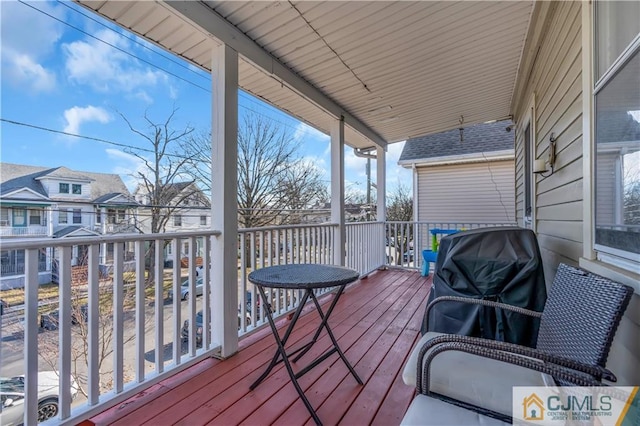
[
  {"x": 103, "y": 225},
  {"x": 381, "y": 184},
  {"x": 224, "y": 193},
  {"x": 337, "y": 190},
  {"x": 49, "y": 211}
]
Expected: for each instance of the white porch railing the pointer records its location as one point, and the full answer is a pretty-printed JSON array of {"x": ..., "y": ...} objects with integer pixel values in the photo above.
[
  {"x": 405, "y": 241},
  {"x": 144, "y": 329},
  {"x": 23, "y": 231},
  {"x": 280, "y": 245}
]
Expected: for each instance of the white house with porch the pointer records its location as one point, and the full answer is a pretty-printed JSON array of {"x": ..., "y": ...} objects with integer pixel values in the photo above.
[
  {"x": 371, "y": 74},
  {"x": 59, "y": 203}
]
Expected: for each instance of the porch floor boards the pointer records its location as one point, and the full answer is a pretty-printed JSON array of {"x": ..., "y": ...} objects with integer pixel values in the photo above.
[{"x": 376, "y": 323}]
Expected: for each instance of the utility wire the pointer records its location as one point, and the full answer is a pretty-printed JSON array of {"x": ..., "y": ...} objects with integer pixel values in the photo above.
[
  {"x": 246, "y": 96},
  {"x": 116, "y": 47},
  {"x": 33, "y": 126}
]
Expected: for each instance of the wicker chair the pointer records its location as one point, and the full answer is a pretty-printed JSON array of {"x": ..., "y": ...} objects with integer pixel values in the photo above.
[{"x": 577, "y": 327}]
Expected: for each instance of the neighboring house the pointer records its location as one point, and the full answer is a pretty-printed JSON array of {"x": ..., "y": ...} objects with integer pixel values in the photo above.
[
  {"x": 57, "y": 203},
  {"x": 463, "y": 179},
  {"x": 186, "y": 207}
]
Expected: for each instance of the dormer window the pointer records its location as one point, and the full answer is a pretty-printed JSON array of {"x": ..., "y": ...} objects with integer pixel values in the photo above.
[
  {"x": 76, "y": 188},
  {"x": 64, "y": 188}
]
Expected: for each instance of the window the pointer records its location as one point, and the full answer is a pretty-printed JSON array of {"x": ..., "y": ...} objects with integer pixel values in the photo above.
[
  {"x": 4, "y": 217},
  {"x": 617, "y": 129},
  {"x": 177, "y": 220},
  {"x": 77, "y": 216},
  {"x": 76, "y": 188},
  {"x": 35, "y": 217},
  {"x": 62, "y": 216},
  {"x": 121, "y": 215},
  {"x": 98, "y": 216},
  {"x": 203, "y": 220},
  {"x": 63, "y": 188},
  {"x": 528, "y": 211}
]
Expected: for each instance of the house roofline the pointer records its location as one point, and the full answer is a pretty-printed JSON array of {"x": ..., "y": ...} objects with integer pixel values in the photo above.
[
  {"x": 6, "y": 197},
  {"x": 476, "y": 157}
]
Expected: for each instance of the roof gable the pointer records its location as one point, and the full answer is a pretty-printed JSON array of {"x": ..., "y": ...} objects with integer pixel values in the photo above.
[
  {"x": 18, "y": 176},
  {"x": 476, "y": 139}
]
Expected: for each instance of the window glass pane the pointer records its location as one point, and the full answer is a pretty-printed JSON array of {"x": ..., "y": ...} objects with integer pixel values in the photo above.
[
  {"x": 76, "y": 188},
  {"x": 62, "y": 216},
  {"x": 618, "y": 160},
  {"x": 34, "y": 217},
  {"x": 177, "y": 220},
  {"x": 64, "y": 188},
  {"x": 203, "y": 220},
  {"x": 617, "y": 24},
  {"x": 77, "y": 216}
]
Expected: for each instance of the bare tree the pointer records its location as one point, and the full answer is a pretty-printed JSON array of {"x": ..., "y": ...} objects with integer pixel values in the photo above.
[
  {"x": 48, "y": 342},
  {"x": 272, "y": 178},
  {"x": 400, "y": 204},
  {"x": 164, "y": 179},
  {"x": 300, "y": 186}
]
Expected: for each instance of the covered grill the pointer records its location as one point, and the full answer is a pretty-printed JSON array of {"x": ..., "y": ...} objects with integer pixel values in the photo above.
[{"x": 501, "y": 264}]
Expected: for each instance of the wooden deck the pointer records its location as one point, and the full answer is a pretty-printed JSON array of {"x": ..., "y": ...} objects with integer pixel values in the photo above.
[{"x": 376, "y": 322}]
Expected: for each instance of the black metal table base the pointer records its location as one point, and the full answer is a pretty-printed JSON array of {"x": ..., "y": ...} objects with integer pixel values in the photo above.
[{"x": 282, "y": 356}]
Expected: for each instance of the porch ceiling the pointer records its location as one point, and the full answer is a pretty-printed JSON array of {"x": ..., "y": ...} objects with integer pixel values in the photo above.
[{"x": 396, "y": 70}]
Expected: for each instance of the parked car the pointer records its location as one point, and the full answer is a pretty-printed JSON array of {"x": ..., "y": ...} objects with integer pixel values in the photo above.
[
  {"x": 50, "y": 321},
  {"x": 199, "y": 323},
  {"x": 184, "y": 289},
  {"x": 12, "y": 397}
]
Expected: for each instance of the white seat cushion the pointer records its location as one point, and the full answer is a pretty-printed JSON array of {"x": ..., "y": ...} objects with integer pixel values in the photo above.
[
  {"x": 425, "y": 410},
  {"x": 473, "y": 379}
]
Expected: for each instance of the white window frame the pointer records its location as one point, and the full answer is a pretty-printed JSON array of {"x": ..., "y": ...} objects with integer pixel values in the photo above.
[
  {"x": 74, "y": 217},
  {"x": 593, "y": 251},
  {"x": 529, "y": 119},
  {"x": 63, "y": 213}
]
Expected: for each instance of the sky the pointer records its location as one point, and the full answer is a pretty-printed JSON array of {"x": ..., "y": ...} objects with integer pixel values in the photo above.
[{"x": 64, "y": 69}]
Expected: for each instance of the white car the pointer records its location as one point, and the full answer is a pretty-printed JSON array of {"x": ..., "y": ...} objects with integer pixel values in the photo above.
[{"x": 12, "y": 397}]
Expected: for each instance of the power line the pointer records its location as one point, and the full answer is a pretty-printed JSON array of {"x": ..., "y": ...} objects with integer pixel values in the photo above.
[
  {"x": 133, "y": 40},
  {"x": 116, "y": 47},
  {"x": 247, "y": 96},
  {"x": 46, "y": 129}
]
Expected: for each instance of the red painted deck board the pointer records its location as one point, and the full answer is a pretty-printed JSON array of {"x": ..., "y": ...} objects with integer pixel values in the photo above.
[{"x": 376, "y": 323}]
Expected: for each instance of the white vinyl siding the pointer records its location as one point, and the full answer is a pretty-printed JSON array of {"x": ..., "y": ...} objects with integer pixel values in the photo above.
[
  {"x": 470, "y": 192},
  {"x": 554, "y": 73},
  {"x": 555, "y": 78}
]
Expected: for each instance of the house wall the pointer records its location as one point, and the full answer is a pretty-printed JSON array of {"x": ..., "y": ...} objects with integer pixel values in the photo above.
[
  {"x": 551, "y": 73},
  {"x": 470, "y": 192}
]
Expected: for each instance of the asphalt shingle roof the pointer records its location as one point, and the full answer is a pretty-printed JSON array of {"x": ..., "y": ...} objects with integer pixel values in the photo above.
[
  {"x": 477, "y": 138},
  {"x": 16, "y": 176}
]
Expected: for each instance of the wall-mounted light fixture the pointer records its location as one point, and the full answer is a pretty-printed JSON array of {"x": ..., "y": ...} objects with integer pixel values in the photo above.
[{"x": 540, "y": 166}]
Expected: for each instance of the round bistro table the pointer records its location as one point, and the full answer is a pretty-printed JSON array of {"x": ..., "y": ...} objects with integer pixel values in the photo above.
[{"x": 307, "y": 277}]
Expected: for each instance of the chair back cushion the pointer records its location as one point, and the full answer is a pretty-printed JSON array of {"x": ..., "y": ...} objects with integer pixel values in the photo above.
[{"x": 581, "y": 315}]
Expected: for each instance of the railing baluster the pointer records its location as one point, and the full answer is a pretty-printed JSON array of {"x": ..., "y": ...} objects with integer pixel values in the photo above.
[
  {"x": 206, "y": 294},
  {"x": 192, "y": 297},
  {"x": 31, "y": 338},
  {"x": 177, "y": 300},
  {"x": 64, "y": 332},
  {"x": 140, "y": 313},
  {"x": 94, "y": 324},
  {"x": 159, "y": 305},
  {"x": 118, "y": 317}
]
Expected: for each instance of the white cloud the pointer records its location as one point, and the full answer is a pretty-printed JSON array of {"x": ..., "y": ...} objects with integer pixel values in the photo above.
[
  {"x": 307, "y": 134},
  {"x": 24, "y": 49},
  {"x": 77, "y": 115},
  {"x": 126, "y": 165},
  {"x": 22, "y": 70},
  {"x": 106, "y": 69}
]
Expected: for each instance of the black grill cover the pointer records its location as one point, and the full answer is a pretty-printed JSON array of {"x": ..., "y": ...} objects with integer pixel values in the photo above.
[{"x": 501, "y": 264}]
